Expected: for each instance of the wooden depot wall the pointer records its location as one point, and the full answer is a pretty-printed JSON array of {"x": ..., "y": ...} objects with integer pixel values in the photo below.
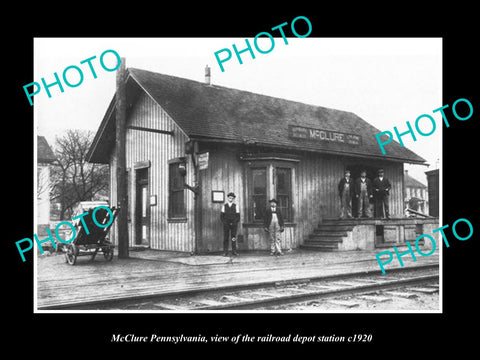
[
  {"x": 315, "y": 179},
  {"x": 314, "y": 195},
  {"x": 154, "y": 150}
]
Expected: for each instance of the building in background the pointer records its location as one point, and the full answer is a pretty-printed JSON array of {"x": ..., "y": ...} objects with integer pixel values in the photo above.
[
  {"x": 416, "y": 194},
  {"x": 218, "y": 140},
  {"x": 45, "y": 158}
]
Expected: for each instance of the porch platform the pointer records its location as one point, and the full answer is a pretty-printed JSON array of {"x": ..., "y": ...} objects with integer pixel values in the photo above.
[
  {"x": 151, "y": 272},
  {"x": 369, "y": 233},
  {"x": 381, "y": 221}
]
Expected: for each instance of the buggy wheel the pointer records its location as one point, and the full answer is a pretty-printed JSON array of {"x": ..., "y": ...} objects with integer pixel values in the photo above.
[
  {"x": 71, "y": 254},
  {"x": 108, "y": 253}
]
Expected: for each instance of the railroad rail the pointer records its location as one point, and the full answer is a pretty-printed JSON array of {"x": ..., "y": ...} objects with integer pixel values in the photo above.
[{"x": 276, "y": 293}]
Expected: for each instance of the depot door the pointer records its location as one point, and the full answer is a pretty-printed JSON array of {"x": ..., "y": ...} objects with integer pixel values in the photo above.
[{"x": 142, "y": 209}]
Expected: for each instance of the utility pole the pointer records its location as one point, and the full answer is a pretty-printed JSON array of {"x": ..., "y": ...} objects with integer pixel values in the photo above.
[
  {"x": 121, "y": 171},
  {"x": 192, "y": 147},
  {"x": 197, "y": 199}
]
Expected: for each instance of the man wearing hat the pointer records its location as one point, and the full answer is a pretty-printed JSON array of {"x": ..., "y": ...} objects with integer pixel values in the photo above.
[
  {"x": 363, "y": 194},
  {"x": 273, "y": 224},
  {"x": 345, "y": 191},
  {"x": 230, "y": 217},
  {"x": 381, "y": 188}
]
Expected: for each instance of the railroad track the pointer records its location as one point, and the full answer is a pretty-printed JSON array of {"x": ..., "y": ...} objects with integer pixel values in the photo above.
[{"x": 278, "y": 293}]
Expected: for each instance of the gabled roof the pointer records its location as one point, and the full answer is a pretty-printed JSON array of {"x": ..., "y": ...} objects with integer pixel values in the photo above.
[
  {"x": 44, "y": 151},
  {"x": 210, "y": 112}
]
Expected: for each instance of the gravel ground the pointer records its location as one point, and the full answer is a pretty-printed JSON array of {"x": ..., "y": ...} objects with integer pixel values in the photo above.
[{"x": 406, "y": 298}]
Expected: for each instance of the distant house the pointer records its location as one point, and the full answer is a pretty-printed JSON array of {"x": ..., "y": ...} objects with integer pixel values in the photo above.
[
  {"x": 416, "y": 194},
  {"x": 218, "y": 139},
  {"x": 45, "y": 157}
]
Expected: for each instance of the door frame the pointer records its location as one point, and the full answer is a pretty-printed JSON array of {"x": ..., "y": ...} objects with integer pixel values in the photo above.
[
  {"x": 271, "y": 163},
  {"x": 139, "y": 220}
]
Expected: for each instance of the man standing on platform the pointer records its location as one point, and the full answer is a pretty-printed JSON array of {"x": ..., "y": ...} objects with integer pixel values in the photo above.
[
  {"x": 273, "y": 224},
  {"x": 381, "y": 188},
  {"x": 345, "y": 191},
  {"x": 363, "y": 194},
  {"x": 230, "y": 217}
]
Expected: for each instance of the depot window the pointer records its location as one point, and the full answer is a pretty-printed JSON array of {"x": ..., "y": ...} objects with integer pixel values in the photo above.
[
  {"x": 176, "y": 193},
  {"x": 267, "y": 180}
]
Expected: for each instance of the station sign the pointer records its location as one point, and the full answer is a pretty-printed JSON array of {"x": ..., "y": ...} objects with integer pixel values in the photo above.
[
  {"x": 203, "y": 161},
  {"x": 321, "y": 135}
]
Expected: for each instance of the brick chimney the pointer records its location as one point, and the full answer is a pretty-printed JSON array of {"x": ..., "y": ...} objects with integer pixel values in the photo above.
[{"x": 207, "y": 75}]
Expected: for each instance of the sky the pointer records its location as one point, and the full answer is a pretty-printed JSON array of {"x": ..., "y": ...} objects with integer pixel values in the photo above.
[{"x": 385, "y": 81}]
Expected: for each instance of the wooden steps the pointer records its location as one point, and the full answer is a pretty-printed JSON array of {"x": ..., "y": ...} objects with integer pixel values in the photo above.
[{"x": 329, "y": 234}]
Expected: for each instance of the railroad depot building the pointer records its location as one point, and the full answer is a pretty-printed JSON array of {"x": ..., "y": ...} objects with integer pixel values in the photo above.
[{"x": 219, "y": 140}]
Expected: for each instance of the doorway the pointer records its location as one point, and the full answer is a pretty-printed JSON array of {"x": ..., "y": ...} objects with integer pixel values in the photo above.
[{"x": 142, "y": 208}]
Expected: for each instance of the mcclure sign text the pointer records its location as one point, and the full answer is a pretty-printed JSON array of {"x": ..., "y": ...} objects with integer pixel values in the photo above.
[{"x": 300, "y": 132}]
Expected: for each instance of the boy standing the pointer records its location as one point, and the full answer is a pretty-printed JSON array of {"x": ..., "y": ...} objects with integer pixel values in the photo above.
[
  {"x": 273, "y": 224},
  {"x": 230, "y": 217}
]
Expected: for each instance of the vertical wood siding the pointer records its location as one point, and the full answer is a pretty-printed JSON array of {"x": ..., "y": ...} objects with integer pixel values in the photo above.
[
  {"x": 314, "y": 187},
  {"x": 158, "y": 149},
  {"x": 224, "y": 173},
  {"x": 394, "y": 172},
  {"x": 317, "y": 180},
  {"x": 317, "y": 187}
]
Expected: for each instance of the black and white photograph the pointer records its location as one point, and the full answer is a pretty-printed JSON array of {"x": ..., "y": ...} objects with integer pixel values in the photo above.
[
  {"x": 173, "y": 177},
  {"x": 205, "y": 182}
]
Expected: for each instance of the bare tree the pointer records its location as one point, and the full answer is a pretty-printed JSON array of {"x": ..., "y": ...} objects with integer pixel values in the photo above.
[
  {"x": 73, "y": 178},
  {"x": 43, "y": 182}
]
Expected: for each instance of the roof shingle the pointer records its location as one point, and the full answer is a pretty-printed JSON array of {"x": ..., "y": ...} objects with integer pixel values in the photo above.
[{"x": 217, "y": 112}]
